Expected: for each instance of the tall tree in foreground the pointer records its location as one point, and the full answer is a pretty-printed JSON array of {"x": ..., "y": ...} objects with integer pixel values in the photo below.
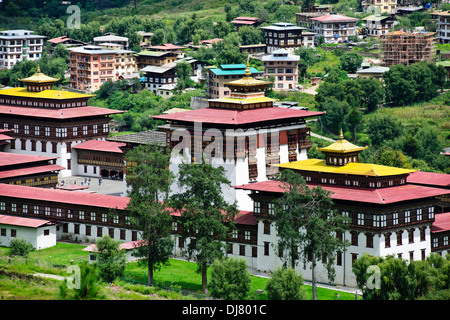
[
  {"x": 205, "y": 217},
  {"x": 307, "y": 226},
  {"x": 150, "y": 179}
]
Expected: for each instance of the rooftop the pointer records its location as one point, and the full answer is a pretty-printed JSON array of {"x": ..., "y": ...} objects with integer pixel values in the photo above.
[
  {"x": 90, "y": 49},
  {"x": 229, "y": 70},
  {"x": 379, "y": 196},
  {"x": 63, "y": 196},
  {"x": 360, "y": 169},
  {"x": 39, "y": 77},
  {"x": 4, "y": 174},
  {"x": 429, "y": 178},
  {"x": 44, "y": 94},
  {"x": 23, "y": 222},
  {"x": 67, "y": 113},
  {"x": 441, "y": 222},
  {"x": 101, "y": 146},
  {"x": 237, "y": 117},
  {"x": 334, "y": 18},
  {"x": 10, "y": 159},
  {"x": 341, "y": 146},
  {"x": 142, "y": 137}
]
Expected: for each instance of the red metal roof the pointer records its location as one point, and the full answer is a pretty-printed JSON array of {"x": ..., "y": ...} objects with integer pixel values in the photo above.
[
  {"x": 123, "y": 246},
  {"x": 101, "y": 145},
  {"x": 167, "y": 46},
  {"x": 365, "y": 195},
  {"x": 334, "y": 17},
  {"x": 246, "y": 218},
  {"x": 237, "y": 117},
  {"x": 67, "y": 113},
  {"x": 441, "y": 222},
  {"x": 63, "y": 196},
  {"x": 28, "y": 171},
  {"x": 8, "y": 159},
  {"x": 429, "y": 178},
  {"x": 23, "y": 222},
  {"x": 5, "y": 137}
]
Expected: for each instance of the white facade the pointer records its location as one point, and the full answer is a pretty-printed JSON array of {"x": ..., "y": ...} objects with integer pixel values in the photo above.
[
  {"x": 40, "y": 237},
  {"x": 19, "y": 45},
  {"x": 443, "y": 27}
]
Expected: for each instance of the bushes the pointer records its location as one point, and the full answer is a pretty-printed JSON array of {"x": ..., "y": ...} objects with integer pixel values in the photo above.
[{"x": 285, "y": 284}]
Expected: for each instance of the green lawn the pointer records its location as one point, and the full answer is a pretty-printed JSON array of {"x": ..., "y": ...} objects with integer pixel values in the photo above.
[{"x": 179, "y": 274}]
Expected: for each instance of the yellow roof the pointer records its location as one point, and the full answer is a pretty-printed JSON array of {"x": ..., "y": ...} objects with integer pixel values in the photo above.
[
  {"x": 244, "y": 101},
  {"x": 39, "y": 77},
  {"x": 360, "y": 169},
  {"x": 44, "y": 94},
  {"x": 341, "y": 146}
]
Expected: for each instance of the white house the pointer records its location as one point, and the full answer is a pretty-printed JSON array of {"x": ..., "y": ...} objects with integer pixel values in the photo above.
[{"x": 40, "y": 233}]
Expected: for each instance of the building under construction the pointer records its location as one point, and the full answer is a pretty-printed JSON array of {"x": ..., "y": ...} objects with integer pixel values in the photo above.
[{"x": 407, "y": 47}]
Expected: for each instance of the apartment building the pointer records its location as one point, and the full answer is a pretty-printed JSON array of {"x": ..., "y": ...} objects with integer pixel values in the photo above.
[
  {"x": 378, "y": 25},
  {"x": 443, "y": 27},
  {"x": 283, "y": 35},
  {"x": 19, "y": 45},
  {"x": 284, "y": 67},
  {"x": 334, "y": 28},
  {"x": 381, "y": 6},
  {"x": 90, "y": 66}
]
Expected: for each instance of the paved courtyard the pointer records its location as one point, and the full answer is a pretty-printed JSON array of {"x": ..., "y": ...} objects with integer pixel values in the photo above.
[{"x": 107, "y": 186}]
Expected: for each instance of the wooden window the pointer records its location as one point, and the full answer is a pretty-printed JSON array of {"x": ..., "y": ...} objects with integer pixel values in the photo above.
[
  {"x": 54, "y": 147},
  {"x": 399, "y": 238},
  {"x": 88, "y": 230},
  {"x": 369, "y": 240},
  {"x": 411, "y": 236},
  {"x": 387, "y": 240},
  {"x": 13, "y": 233},
  {"x": 266, "y": 248},
  {"x": 354, "y": 257},
  {"x": 111, "y": 232},
  {"x": 122, "y": 234},
  {"x": 266, "y": 227},
  {"x": 99, "y": 232},
  {"x": 422, "y": 234},
  {"x": 339, "y": 258},
  {"x": 354, "y": 235},
  {"x": 242, "y": 250},
  {"x": 76, "y": 229}
]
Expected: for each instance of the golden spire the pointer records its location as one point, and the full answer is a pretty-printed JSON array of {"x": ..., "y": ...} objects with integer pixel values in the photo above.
[
  {"x": 341, "y": 136},
  {"x": 247, "y": 69},
  {"x": 39, "y": 69}
]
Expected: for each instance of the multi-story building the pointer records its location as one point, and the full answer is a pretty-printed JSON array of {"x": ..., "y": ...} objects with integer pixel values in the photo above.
[
  {"x": 157, "y": 76},
  {"x": 443, "y": 27},
  {"x": 334, "y": 28},
  {"x": 90, "y": 66},
  {"x": 283, "y": 35},
  {"x": 245, "y": 21},
  {"x": 284, "y": 67},
  {"x": 48, "y": 123},
  {"x": 113, "y": 39},
  {"x": 19, "y": 45},
  {"x": 381, "y": 6},
  {"x": 216, "y": 79},
  {"x": 378, "y": 25},
  {"x": 154, "y": 58},
  {"x": 407, "y": 47},
  {"x": 388, "y": 215},
  {"x": 248, "y": 133}
]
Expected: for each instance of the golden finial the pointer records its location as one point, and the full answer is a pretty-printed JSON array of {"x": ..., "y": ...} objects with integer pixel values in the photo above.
[
  {"x": 247, "y": 69},
  {"x": 341, "y": 136},
  {"x": 39, "y": 69}
]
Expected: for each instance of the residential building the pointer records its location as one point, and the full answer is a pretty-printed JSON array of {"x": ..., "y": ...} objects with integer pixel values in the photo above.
[
  {"x": 67, "y": 42},
  {"x": 254, "y": 50},
  {"x": 378, "y": 25},
  {"x": 19, "y": 45},
  {"x": 48, "y": 123},
  {"x": 254, "y": 134},
  {"x": 245, "y": 21},
  {"x": 406, "y": 47},
  {"x": 443, "y": 27},
  {"x": 388, "y": 215},
  {"x": 216, "y": 79},
  {"x": 125, "y": 64},
  {"x": 146, "y": 40},
  {"x": 381, "y": 6},
  {"x": 157, "y": 76},
  {"x": 179, "y": 50},
  {"x": 334, "y": 28},
  {"x": 90, "y": 66},
  {"x": 284, "y": 67},
  {"x": 154, "y": 58},
  {"x": 283, "y": 35},
  {"x": 39, "y": 232},
  {"x": 112, "y": 38},
  {"x": 372, "y": 72}
]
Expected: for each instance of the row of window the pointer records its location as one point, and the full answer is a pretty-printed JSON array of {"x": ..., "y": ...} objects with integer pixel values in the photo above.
[
  {"x": 47, "y": 131},
  {"x": 13, "y": 232},
  {"x": 29, "y": 103},
  {"x": 65, "y": 213}
]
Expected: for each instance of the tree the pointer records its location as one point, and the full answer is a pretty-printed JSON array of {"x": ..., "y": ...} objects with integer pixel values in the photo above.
[
  {"x": 89, "y": 285},
  {"x": 250, "y": 35},
  {"x": 389, "y": 157},
  {"x": 307, "y": 225},
  {"x": 20, "y": 247},
  {"x": 351, "y": 61},
  {"x": 150, "y": 180},
  {"x": 383, "y": 128},
  {"x": 227, "y": 51},
  {"x": 111, "y": 259},
  {"x": 230, "y": 279},
  {"x": 205, "y": 217},
  {"x": 285, "y": 284},
  {"x": 184, "y": 72}
]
